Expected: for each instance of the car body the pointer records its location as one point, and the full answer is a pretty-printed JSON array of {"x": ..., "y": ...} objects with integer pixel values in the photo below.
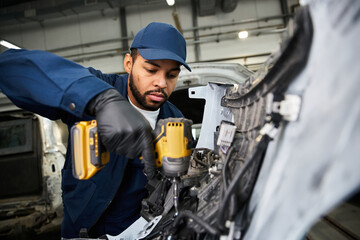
[{"x": 32, "y": 154}]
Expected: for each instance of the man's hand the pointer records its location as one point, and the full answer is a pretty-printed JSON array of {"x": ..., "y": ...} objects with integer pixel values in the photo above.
[{"x": 122, "y": 129}]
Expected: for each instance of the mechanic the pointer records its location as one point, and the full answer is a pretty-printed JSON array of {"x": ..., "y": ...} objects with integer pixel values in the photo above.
[{"x": 56, "y": 88}]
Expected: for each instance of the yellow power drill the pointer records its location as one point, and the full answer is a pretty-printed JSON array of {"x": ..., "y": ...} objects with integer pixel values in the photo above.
[
  {"x": 172, "y": 147},
  {"x": 173, "y": 144}
]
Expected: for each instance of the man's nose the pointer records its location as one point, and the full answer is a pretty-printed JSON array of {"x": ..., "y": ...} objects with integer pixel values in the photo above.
[{"x": 160, "y": 81}]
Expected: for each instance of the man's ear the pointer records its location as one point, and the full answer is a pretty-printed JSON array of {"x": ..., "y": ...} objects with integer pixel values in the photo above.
[{"x": 127, "y": 63}]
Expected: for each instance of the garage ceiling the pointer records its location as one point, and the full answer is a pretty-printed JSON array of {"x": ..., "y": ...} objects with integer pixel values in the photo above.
[{"x": 21, "y": 11}]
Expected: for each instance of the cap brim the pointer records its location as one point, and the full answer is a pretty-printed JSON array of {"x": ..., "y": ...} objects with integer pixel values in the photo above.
[{"x": 158, "y": 54}]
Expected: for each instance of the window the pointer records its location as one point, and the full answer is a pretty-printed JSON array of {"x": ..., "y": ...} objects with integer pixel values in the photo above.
[{"x": 15, "y": 136}]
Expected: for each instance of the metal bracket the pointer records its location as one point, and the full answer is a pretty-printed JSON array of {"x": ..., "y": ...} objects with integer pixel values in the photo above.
[{"x": 148, "y": 227}]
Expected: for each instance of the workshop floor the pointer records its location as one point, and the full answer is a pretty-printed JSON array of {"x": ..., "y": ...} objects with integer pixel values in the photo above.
[{"x": 342, "y": 223}]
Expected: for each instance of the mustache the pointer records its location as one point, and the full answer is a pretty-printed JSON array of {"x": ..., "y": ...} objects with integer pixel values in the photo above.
[{"x": 162, "y": 91}]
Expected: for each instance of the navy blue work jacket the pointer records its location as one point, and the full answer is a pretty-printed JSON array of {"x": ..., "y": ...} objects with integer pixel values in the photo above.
[{"x": 56, "y": 88}]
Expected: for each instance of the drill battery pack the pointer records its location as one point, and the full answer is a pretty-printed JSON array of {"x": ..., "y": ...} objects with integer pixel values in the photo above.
[{"x": 89, "y": 155}]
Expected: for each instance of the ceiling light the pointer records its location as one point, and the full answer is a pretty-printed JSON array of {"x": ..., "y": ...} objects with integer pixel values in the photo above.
[
  {"x": 243, "y": 34},
  {"x": 8, "y": 45},
  {"x": 170, "y": 2}
]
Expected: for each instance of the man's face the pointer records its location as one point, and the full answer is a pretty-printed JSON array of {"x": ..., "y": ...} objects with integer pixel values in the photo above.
[{"x": 150, "y": 81}]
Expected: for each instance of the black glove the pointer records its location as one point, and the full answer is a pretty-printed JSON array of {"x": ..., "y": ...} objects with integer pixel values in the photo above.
[{"x": 123, "y": 129}]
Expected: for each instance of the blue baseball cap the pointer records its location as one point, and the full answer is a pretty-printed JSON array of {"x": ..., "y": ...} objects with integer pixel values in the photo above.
[{"x": 161, "y": 41}]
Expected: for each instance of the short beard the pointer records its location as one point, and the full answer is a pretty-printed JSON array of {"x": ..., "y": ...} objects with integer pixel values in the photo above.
[{"x": 141, "y": 99}]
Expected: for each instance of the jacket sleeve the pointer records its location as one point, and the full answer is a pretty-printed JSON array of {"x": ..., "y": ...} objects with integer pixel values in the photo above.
[
  {"x": 109, "y": 78},
  {"x": 47, "y": 84}
]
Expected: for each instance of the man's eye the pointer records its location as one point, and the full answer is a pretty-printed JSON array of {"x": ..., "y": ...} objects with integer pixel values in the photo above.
[
  {"x": 151, "y": 70},
  {"x": 172, "y": 75}
]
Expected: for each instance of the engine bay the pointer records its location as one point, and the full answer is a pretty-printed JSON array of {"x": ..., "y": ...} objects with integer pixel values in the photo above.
[{"x": 214, "y": 193}]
